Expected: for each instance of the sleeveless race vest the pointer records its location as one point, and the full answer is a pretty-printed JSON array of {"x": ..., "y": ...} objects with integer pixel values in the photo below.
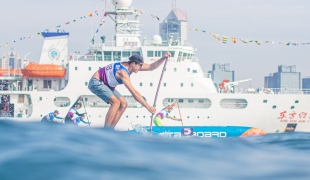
[
  {"x": 162, "y": 114},
  {"x": 107, "y": 74}
]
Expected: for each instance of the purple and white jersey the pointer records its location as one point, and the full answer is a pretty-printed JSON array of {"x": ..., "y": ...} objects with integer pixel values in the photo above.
[
  {"x": 107, "y": 74},
  {"x": 162, "y": 114}
]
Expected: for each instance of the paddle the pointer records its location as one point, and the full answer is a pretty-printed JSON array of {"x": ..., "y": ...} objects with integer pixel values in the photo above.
[
  {"x": 85, "y": 111},
  {"x": 154, "y": 105},
  {"x": 180, "y": 113}
]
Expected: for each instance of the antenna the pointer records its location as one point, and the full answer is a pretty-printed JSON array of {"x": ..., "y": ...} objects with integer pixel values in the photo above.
[{"x": 174, "y": 4}]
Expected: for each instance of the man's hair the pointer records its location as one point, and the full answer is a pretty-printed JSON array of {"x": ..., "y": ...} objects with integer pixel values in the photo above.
[{"x": 136, "y": 59}]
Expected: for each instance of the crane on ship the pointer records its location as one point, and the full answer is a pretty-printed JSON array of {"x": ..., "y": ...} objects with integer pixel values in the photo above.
[{"x": 228, "y": 87}]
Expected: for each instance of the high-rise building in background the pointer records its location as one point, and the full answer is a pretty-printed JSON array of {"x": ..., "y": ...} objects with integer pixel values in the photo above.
[
  {"x": 306, "y": 85},
  {"x": 220, "y": 72},
  {"x": 285, "y": 79},
  {"x": 11, "y": 60},
  {"x": 174, "y": 29}
]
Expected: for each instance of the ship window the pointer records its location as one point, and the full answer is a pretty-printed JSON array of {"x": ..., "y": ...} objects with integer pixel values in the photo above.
[
  {"x": 233, "y": 103},
  {"x": 107, "y": 55},
  {"x": 135, "y": 52},
  {"x": 187, "y": 116},
  {"x": 137, "y": 116},
  {"x": 181, "y": 100},
  {"x": 172, "y": 53},
  {"x": 47, "y": 84},
  {"x": 76, "y": 68},
  {"x": 126, "y": 116},
  {"x": 191, "y": 101},
  {"x": 200, "y": 101},
  {"x": 265, "y": 101},
  {"x": 192, "y": 84},
  {"x": 195, "y": 71},
  {"x": 21, "y": 98},
  {"x": 296, "y": 101},
  {"x": 175, "y": 69},
  {"x": 165, "y": 84},
  {"x": 126, "y": 54},
  {"x": 181, "y": 84},
  {"x": 184, "y": 55},
  {"x": 198, "y": 117},
  {"x": 40, "y": 98},
  {"x": 157, "y": 53},
  {"x": 62, "y": 102},
  {"x": 151, "y": 84},
  {"x": 274, "y": 107},
  {"x": 89, "y": 68},
  {"x": 292, "y": 107},
  {"x": 117, "y": 55},
  {"x": 140, "y": 83},
  {"x": 188, "y": 70},
  {"x": 164, "y": 52},
  {"x": 150, "y": 54},
  {"x": 86, "y": 83},
  {"x": 168, "y": 100}
]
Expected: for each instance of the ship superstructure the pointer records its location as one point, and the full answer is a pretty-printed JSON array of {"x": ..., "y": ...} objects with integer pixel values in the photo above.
[{"x": 58, "y": 80}]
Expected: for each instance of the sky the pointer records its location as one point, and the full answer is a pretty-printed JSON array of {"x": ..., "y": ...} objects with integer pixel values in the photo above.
[{"x": 262, "y": 20}]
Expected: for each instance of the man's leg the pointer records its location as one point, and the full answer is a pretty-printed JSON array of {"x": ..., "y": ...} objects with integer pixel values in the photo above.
[
  {"x": 121, "y": 110},
  {"x": 115, "y": 104}
]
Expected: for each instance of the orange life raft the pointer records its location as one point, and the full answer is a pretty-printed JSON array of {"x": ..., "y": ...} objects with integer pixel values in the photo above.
[{"x": 34, "y": 70}]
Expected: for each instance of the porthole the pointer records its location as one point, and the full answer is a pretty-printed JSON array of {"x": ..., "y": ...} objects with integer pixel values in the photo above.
[
  {"x": 274, "y": 107},
  {"x": 265, "y": 101},
  {"x": 292, "y": 107},
  {"x": 187, "y": 116},
  {"x": 297, "y": 101}
]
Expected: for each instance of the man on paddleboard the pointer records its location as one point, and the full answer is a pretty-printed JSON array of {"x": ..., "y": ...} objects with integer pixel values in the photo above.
[{"x": 104, "y": 81}]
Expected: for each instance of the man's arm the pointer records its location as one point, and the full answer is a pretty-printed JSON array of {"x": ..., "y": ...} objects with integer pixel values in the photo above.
[
  {"x": 156, "y": 64},
  {"x": 123, "y": 76}
]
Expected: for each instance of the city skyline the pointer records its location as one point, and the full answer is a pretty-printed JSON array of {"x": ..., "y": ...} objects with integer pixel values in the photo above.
[{"x": 275, "y": 20}]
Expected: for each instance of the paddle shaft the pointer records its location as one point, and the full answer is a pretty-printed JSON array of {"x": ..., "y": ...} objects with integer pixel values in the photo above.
[
  {"x": 158, "y": 87},
  {"x": 85, "y": 111},
  {"x": 180, "y": 113}
]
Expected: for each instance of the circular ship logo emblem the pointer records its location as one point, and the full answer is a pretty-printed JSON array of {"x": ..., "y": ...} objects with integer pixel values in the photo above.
[{"x": 53, "y": 54}]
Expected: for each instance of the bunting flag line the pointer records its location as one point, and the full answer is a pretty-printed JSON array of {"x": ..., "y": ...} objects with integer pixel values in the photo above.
[
  {"x": 234, "y": 40},
  {"x": 224, "y": 39}
]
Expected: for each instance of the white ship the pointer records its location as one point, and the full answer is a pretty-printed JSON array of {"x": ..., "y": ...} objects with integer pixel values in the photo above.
[{"x": 59, "y": 79}]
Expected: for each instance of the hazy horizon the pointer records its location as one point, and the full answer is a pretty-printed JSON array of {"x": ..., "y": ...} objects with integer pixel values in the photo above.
[{"x": 264, "y": 20}]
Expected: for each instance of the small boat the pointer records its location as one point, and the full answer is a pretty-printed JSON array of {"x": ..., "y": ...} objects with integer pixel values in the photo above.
[{"x": 34, "y": 70}]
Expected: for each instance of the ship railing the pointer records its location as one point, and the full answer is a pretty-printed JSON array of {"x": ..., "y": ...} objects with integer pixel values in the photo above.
[
  {"x": 96, "y": 57},
  {"x": 273, "y": 91}
]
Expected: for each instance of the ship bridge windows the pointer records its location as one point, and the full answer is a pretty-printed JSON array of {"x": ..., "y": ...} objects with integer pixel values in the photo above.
[
  {"x": 171, "y": 52},
  {"x": 188, "y": 70},
  {"x": 204, "y": 103},
  {"x": 126, "y": 54},
  {"x": 150, "y": 53},
  {"x": 62, "y": 102},
  {"x": 136, "y": 52},
  {"x": 179, "y": 56},
  {"x": 157, "y": 53},
  {"x": 107, "y": 55},
  {"x": 98, "y": 55},
  {"x": 117, "y": 55},
  {"x": 233, "y": 103},
  {"x": 195, "y": 71}
]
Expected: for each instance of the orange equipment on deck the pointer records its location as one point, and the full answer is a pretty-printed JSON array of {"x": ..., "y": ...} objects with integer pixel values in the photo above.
[
  {"x": 34, "y": 70},
  {"x": 10, "y": 72}
]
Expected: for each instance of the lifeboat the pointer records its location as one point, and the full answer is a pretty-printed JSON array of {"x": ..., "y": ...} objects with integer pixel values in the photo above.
[
  {"x": 34, "y": 70},
  {"x": 10, "y": 72}
]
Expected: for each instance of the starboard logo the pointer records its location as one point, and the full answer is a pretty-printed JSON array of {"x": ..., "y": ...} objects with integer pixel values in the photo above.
[{"x": 54, "y": 54}]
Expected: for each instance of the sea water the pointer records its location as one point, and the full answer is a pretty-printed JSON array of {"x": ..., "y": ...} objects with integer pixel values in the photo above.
[{"x": 54, "y": 151}]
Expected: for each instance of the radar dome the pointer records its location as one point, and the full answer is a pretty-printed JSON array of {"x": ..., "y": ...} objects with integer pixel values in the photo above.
[
  {"x": 122, "y": 4},
  {"x": 157, "y": 39}
]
